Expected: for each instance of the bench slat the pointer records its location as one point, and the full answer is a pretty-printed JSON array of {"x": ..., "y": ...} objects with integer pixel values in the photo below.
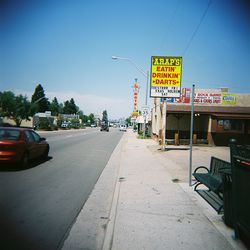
[
  {"x": 212, "y": 199},
  {"x": 209, "y": 181}
]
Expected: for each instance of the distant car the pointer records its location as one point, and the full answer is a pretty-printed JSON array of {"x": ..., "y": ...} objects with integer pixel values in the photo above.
[
  {"x": 123, "y": 128},
  {"x": 93, "y": 125},
  {"x": 104, "y": 127},
  {"x": 65, "y": 125},
  {"x": 20, "y": 145}
]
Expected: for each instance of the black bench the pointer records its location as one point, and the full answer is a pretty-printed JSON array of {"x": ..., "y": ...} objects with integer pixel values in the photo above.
[{"x": 212, "y": 179}]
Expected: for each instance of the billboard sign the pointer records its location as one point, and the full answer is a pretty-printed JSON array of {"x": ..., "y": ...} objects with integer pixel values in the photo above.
[
  {"x": 207, "y": 98},
  {"x": 136, "y": 94},
  {"x": 228, "y": 99},
  {"x": 165, "y": 76}
]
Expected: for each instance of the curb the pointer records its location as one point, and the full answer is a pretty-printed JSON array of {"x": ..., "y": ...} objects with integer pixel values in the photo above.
[
  {"x": 91, "y": 226},
  {"x": 108, "y": 239}
]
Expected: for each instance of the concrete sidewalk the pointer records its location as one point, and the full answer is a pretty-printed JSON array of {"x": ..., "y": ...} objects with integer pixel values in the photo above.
[{"x": 152, "y": 206}]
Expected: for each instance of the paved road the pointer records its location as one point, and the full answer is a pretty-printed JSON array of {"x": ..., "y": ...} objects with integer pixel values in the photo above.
[{"x": 39, "y": 205}]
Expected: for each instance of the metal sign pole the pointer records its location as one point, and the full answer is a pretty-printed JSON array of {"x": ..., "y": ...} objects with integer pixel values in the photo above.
[
  {"x": 164, "y": 117},
  {"x": 191, "y": 137},
  {"x": 146, "y": 105}
]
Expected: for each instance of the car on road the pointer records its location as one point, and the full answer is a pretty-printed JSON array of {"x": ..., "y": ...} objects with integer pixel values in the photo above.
[
  {"x": 65, "y": 125},
  {"x": 104, "y": 127},
  {"x": 123, "y": 127},
  {"x": 21, "y": 145}
]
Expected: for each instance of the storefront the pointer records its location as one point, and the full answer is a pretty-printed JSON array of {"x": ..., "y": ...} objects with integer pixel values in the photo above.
[{"x": 214, "y": 122}]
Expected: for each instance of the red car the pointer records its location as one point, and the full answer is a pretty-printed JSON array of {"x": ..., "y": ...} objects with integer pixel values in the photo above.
[{"x": 20, "y": 145}]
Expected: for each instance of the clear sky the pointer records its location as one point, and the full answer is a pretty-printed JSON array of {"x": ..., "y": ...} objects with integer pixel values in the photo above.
[{"x": 66, "y": 46}]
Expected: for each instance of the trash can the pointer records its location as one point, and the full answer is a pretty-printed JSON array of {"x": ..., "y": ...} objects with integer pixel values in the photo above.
[{"x": 228, "y": 216}]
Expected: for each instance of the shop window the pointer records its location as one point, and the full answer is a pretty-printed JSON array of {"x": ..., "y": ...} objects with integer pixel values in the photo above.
[
  {"x": 226, "y": 124},
  {"x": 237, "y": 125},
  {"x": 220, "y": 122},
  {"x": 232, "y": 125}
]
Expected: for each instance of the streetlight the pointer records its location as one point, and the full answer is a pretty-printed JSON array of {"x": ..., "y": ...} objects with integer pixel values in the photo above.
[{"x": 144, "y": 73}]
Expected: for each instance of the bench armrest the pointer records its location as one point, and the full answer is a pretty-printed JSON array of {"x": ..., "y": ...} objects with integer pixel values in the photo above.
[{"x": 201, "y": 167}]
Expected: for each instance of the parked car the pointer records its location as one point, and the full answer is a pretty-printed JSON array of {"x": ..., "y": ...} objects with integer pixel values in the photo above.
[
  {"x": 66, "y": 125},
  {"x": 21, "y": 145},
  {"x": 123, "y": 127}
]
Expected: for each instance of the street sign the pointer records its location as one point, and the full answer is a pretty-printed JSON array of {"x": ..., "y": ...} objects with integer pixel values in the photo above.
[
  {"x": 145, "y": 111},
  {"x": 165, "y": 76},
  {"x": 135, "y": 114}
]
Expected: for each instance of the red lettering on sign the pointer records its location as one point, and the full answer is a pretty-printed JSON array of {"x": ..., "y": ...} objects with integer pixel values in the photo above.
[{"x": 165, "y": 68}]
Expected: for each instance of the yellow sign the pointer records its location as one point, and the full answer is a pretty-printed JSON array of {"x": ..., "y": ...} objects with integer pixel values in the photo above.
[
  {"x": 228, "y": 99},
  {"x": 135, "y": 113},
  {"x": 165, "y": 76}
]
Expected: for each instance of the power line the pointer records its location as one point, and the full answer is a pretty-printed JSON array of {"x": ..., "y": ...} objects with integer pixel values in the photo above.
[{"x": 197, "y": 28}]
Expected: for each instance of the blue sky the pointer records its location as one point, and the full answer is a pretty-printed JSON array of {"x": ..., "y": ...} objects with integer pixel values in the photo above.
[{"x": 66, "y": 46}]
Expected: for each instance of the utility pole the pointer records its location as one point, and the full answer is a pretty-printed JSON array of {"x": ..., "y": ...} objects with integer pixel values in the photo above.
[{"x": 191, "y": 136}]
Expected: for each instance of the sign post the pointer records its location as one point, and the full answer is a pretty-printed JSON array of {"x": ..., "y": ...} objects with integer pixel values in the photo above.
[
  {"x": 191, "y": 136},
  {"x": 145, "y": 113},
  {"x": 164, "y": 119}
]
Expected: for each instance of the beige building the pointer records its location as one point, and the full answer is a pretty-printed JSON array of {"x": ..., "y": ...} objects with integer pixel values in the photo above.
[
  {"x": 24, "y": 123},
  {"x": 218, "y": 116}
]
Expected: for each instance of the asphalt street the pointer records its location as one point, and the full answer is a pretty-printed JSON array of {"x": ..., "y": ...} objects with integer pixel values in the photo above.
[{"x": 40, "y": 204}]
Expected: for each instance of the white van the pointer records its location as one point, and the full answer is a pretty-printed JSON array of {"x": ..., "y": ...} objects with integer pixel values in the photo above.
[{"x": 123, "y": 128}]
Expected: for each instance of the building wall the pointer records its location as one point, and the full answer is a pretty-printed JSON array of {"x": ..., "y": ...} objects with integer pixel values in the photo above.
[
  {"x": 243, "y": 100},
  {"x": 225, "y": 129},
  {"x": 156, "y": 117},
  {"x": 204, "y": 125},
  {"x": 182, "y": 126},
  {"x": 24, "y": 123}
]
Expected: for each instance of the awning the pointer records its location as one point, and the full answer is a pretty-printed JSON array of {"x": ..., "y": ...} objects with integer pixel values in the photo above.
[{"x": 231, "y": 116}]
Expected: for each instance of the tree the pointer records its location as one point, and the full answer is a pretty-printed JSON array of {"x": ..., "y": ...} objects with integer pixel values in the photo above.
[
  {"x": 17, "y": 108},
  {"x": 128, "y": 121},
  {"x": 23, "y": 108},
  {"x": 66, "y": 108},
  {"x": 85, "y": 118},
  {"x": 39, "y": 100},
  {"x": 55, "y": 107},
  {"x": 91, "y": 118},
  {"x": 73, "y": 106},
  {"x": 70, "y": 107},
  {"x": 81, "y": 115},
  {"x": 7, "y": 101},
  {"x": 105, "y": 117}
]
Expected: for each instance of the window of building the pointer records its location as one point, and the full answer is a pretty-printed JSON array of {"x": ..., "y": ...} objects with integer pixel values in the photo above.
[
  {"x": 232, "y": 125},
  {"x": 227, "y": 125},
  {"x": 237, "y": 125}
]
